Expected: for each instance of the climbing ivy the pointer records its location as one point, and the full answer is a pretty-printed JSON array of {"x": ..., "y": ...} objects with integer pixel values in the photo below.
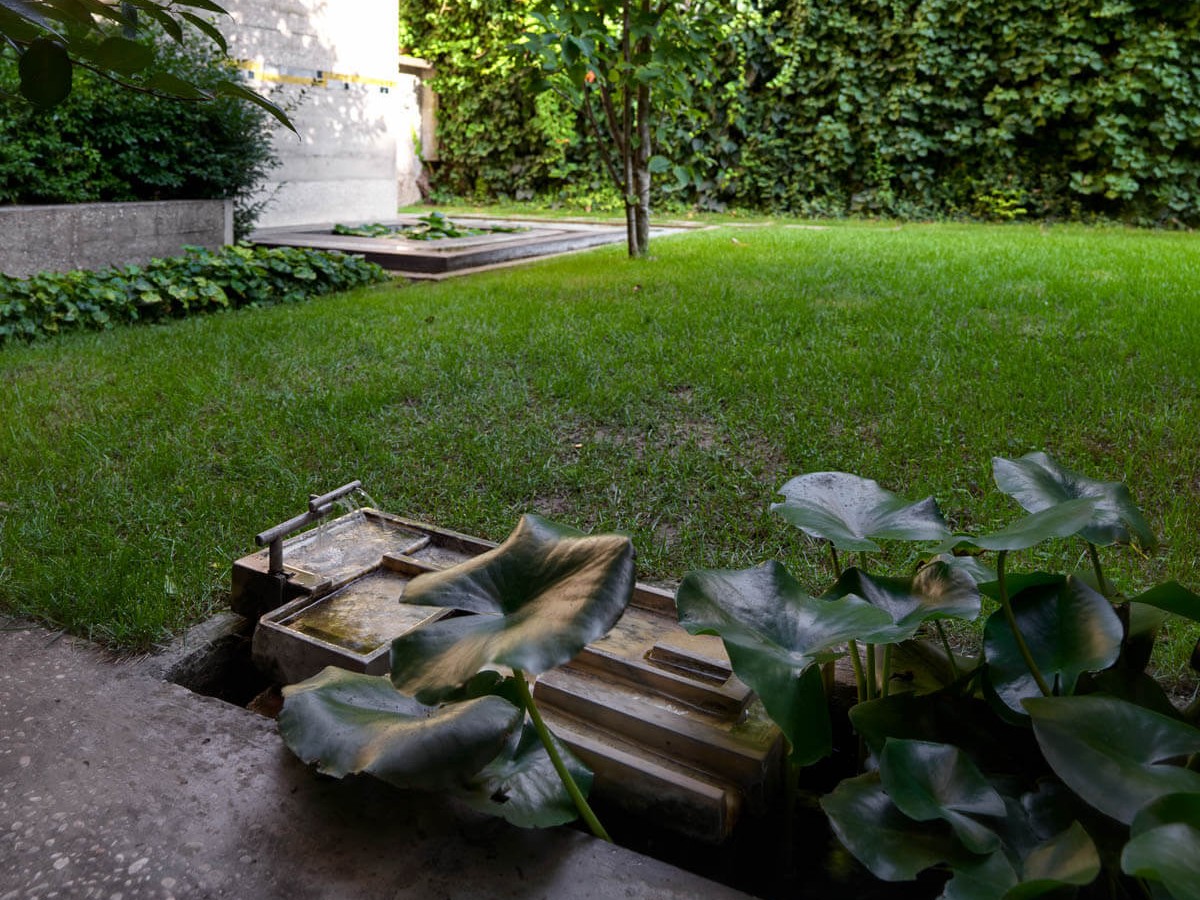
[{"x": 975, "y": 108}]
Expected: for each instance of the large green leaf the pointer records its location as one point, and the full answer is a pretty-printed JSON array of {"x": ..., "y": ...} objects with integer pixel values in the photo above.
[
  {"x": 521, "y": 785},
  {"x": 1174, "y": 598},
  {"x": 347, "y": 723},
  {"x": 1067, "y": 859},
  {"x": 853, "y": 513},
  {"x": 541, "y": 596},
  {"x": 773, "y": 631},
  {"x": 929, "y": 781},
  {"x": 1169, "y": 854},
  {"x": 46, "y": 72},
  {"x": 1037, "y": 482},
  {"x": 889, "y": 843},
  {"x": 937, "y": 591},
  {"x": 1065, "y": 520},
  {"x": 1113, "y": 753},
  {"x": 1069, "y": 629}
]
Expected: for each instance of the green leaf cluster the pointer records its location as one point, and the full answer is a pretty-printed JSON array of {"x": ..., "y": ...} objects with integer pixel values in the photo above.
[
  {"x": 1028, "y": 771},
  {"x": 200, "y": 281},
  {"x": 107, "y": 143},
  {"x": 453, "y": 716},
  {"x": 997, "y": 110}
]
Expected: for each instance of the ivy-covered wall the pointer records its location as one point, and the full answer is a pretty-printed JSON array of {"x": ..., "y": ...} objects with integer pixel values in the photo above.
[{"x": 989, "y": 108}]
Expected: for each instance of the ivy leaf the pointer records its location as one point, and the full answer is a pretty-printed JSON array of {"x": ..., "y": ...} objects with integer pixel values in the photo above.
[
  {"x": 541, "y": 596},
  {"x": 1037, "y": 482},
  {"x": 937, "y": 591},
  {"x": 930, "y": 781},
  {"x": 347, "y": 723},
  {"x": 1069, "y": 629},
  {"x": 773, "y": 631},
  {"x": 853, "y": 512},
  {"x": 1112, "y": 753}
]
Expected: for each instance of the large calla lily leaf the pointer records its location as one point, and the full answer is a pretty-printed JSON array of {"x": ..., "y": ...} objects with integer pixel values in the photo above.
[
  {"x": 348, "y": 723},
  {"x": 1069, "y": 629},
  {"x": 541, "y": 596},
  {"x": 773, "y": 631},
  {"x": 929, "y": 781},
  {"x": 937, "y": 591},
  {"x": 1169, "y": 854},
  {"x": 988, "y": 878},
  {"x": 521, "y": 785},
  {"x": 1112, "y": 753},
  {"x": 1174, "y": 598},
  {"x": 853, "y": 513},
  {"x": 889, "y": 843},
  {"x": 1038, "y": 483},
  {"x": 1064, "y": 520}
]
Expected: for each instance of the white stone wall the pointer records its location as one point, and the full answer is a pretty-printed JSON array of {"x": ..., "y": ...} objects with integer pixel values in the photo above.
[{"x": 356, "y": 114}]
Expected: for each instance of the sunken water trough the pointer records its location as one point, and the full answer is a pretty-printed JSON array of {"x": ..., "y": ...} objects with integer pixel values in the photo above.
[
  {"x": 674, "y": 738},
  {"x": 435, "y": 259}
]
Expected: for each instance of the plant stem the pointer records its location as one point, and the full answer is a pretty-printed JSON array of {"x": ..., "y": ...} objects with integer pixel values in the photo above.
[
  {"x": 1011, "y": 618},
  {"x": 860, "y": 680},
  {"x": 1101, "y": 584},
  {"x": 872, "y": 690},
  {"x": 581, "y": 804},
  {"x": 790, "y": 787},
  {"x": 887, "y": 670},
  {"x": 949, "y": 653},
  {"x": 837, "y": 566}
]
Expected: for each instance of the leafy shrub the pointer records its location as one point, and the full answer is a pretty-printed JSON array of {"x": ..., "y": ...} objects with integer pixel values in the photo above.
[
  {"x": 198, "y": 282},
  {"x": 913, "y": 108},
  {"x": 108, "y": 143}
]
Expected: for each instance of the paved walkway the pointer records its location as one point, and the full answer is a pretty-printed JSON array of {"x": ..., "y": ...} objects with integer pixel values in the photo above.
[{"x": 116, "y": 785}]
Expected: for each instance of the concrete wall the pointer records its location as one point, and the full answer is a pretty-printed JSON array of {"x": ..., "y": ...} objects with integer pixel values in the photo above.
[
  {"x": 337, "y": 60},
  {"x": 94, "y": 235}
]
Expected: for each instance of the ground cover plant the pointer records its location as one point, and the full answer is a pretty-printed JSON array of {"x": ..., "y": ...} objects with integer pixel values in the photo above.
[
  {"x": 433, "y": 226},
  {"x": 199, "y": 281},
  {"x": 663, "y": 398}
]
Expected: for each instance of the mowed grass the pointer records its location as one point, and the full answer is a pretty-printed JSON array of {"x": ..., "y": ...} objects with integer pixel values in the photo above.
[{"x": 668, "y": 398}]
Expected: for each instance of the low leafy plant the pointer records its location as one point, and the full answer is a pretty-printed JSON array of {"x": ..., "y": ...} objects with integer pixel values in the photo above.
[
  {"x": 433, "y": 227},
  {"x": 457, "y": 714},
  {"x": 1049, "y": 760},
  {"x": 199, "y": 281}
]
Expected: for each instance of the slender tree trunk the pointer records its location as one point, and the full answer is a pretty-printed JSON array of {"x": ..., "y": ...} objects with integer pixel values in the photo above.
[
  {"x": 629, "y": 152},
  {"x": 641, "y": 166}
]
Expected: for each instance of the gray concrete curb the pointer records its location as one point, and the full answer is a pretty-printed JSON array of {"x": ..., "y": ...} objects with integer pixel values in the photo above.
[{"x": 115, "y": 784}]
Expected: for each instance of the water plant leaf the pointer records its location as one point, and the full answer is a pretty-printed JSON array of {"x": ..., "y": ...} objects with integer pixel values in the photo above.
[
  {"x": 1038, "y": 483},
  {"x": 1174, "y": 598},
  {"x": 773, "y": 631},
  {"x": 853, "y": 513},
  {"x": 1169, "y": 854},
  {"x": 541, "y": 596},
  {"x": 889, "y": 843},
  {"x": 521, "y": 786},
  {"x": 347, "y": 723},
  {"x": 1113, "y": 753},
  {"x": 937, "y": 591},
  {"x": 928, "y": 780},
  {"x": 1064, "y": 520},
  {"x": 1069, "y": 629},
  {"x": 989, "y": 878}
]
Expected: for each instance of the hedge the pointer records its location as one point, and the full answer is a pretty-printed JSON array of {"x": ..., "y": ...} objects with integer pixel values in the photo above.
[{"x": 982, "y": 108}]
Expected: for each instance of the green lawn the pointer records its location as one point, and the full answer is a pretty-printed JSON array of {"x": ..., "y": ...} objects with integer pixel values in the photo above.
[{"x": 669, "y": 398}]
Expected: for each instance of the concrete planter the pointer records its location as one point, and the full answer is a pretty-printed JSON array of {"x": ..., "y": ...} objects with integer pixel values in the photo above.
[{"x": 61, "y": 238}]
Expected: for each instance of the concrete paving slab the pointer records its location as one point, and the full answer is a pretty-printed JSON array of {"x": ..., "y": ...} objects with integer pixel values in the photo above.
[
  {"x": 448, "y": 257},
  {"x": 117, "y": 785}
]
